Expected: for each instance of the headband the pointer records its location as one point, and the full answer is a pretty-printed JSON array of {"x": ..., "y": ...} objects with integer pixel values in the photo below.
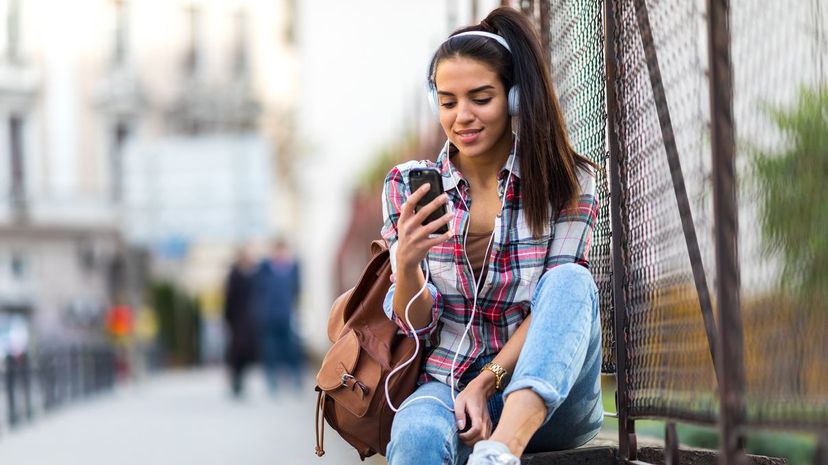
[{"x": 496, "y": 37}]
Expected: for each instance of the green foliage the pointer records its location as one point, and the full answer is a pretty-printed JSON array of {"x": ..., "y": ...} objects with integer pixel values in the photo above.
[
  {"x": 798, "y": 448},
  {"x": 792, "y": 195},
  {"x": 179, "y": 322}
]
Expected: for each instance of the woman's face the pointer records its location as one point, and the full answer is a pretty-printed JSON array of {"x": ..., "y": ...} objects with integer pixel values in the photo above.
[{"x": 473, "y": 107}]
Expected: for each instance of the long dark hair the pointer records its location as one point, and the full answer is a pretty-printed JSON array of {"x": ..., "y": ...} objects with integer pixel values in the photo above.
[{"x": 548, "y": 162}]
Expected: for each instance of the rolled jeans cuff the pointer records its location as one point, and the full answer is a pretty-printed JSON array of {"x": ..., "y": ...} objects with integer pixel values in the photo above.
[{"x": 548, "y": 394}]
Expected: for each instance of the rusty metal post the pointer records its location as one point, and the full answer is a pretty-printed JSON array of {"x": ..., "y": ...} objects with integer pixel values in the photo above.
[
  {"x": 821, "y": 453},
  {"x": 626, "y": 426},
  {"x": 730, "y": 356},
  {"x": 545, "y": 35},
  {"x": 671, "y": 444},
  {"x": 680, "y": 190}
]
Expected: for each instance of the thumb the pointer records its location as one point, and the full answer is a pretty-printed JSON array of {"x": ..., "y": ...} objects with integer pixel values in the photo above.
[{"x": 460, "y": 414}]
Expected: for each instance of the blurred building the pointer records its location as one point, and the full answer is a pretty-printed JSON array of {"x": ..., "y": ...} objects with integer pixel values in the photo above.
[
  {"x": 132, "y": 131},
  {"x": 364, "y": 67}
]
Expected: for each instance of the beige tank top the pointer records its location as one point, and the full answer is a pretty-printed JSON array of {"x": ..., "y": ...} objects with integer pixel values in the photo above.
[{"x": 478, "y": 254}]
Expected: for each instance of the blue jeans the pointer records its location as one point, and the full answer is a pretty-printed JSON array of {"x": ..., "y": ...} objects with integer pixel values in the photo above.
[{"x": 560, "y": 361}]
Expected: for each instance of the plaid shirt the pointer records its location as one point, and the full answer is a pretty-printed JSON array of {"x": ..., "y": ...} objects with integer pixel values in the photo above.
[{"x": 515, "y": 265}]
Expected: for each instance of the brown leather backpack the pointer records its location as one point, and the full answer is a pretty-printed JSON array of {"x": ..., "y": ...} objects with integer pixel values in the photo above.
[{"x": 367, "y": 346}]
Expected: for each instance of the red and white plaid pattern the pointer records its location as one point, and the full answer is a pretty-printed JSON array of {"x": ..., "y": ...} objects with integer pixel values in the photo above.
[{"x": 515, "y": 265}]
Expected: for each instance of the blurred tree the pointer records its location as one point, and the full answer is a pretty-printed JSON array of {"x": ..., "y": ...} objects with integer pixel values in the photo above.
[
  {"x": 179, "y": 323},
  {"x": 792, "y": 190}
]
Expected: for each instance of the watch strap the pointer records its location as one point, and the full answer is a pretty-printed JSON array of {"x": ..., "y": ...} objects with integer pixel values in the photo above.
[{"x": 499, "y": 373}]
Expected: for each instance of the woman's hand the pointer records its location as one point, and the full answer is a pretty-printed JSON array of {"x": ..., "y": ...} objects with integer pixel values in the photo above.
[
  {"x": 472, "y": 401},
  {"x": 413, "y": 242}
]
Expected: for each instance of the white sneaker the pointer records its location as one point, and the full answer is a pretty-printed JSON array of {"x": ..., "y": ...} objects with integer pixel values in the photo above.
[{"x": 492, "y": 453}]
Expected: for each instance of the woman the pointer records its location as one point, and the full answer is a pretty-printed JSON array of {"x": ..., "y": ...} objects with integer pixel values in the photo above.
[{"x": 511, "y": 271}]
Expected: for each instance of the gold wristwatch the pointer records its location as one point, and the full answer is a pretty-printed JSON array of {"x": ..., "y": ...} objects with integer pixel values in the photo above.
[{"x": 501, "y": 375}]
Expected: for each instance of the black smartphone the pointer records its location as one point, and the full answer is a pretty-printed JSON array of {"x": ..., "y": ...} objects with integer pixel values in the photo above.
[{"x": 419, "y": 176}]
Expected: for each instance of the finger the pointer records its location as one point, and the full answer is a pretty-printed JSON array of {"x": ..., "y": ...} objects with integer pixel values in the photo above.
[
  {"x": 487, "y": 429},
  {"x": 409, "y": 206},
  {"x": 437, "y": 240},
  {"x": 419, "y": 232},
  {"x": 431, "y": 207},
  {"x": 460, "y": 413},
  {"x": 489, "y": 424},
  {"x": 472, "y": 435},
  {"x": 474, "y": 432},
  {"x": 432, "y": 227}
]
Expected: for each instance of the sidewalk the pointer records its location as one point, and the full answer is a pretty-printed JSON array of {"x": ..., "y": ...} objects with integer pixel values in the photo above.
[{"x": 179, "y": 418}]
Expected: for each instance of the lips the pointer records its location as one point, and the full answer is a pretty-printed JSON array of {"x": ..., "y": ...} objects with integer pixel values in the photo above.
[{"x": 468, "y": 136}]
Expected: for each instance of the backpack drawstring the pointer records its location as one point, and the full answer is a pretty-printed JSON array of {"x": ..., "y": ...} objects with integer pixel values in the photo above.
[{"x": 320, "y": 423}]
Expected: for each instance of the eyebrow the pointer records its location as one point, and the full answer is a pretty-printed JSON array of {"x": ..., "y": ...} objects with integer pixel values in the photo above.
[{"x": 473, "y": 91}]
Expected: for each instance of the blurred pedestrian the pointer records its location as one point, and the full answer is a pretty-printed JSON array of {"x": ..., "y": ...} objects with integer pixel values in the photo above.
[
  {"x": 241, "y": 321},
  {"x": 277, "y": 291},
  {"x": 119, "y": 324}
]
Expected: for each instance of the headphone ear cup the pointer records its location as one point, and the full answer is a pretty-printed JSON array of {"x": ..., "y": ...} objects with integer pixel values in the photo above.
[
  {"x": 432, "y": 100},
  {"x": 514, "y": 100}
]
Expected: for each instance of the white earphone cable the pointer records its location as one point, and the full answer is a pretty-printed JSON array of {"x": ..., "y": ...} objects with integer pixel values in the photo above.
[{"x": 475, "y": 291}]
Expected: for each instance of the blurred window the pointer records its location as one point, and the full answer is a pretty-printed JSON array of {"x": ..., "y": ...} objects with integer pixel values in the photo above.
[
  {"x": 119, "y": 55},
  {"x": 240, "y": 49},
  {"x": 12, "y": 33},
  {"x": 17, "y": 165},
  {"x": 17, "y": 266},
  {"x": 120, "y": 134}
]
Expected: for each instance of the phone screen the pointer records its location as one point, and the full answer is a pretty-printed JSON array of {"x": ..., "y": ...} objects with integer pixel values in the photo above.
[{"x": 419, "y": 176}]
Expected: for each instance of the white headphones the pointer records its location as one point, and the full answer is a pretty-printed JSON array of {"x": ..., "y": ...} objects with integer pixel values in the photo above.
[{"x": 513, "y": 95}]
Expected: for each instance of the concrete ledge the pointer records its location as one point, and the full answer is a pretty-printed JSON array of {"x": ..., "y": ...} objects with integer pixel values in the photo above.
[
  {"x": 599, "y": 455},
  {"x": 608, "y": 455}
]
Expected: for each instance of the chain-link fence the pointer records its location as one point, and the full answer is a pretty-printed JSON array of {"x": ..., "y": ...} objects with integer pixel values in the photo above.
[
  {"x": 659, "y": 55},
  {"x": 577, "y": 69},
  {"x": 779, "y": 62}
]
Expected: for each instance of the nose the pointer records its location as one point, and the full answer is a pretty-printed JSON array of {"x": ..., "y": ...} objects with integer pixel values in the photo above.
[{"x": 464, "y": 112}]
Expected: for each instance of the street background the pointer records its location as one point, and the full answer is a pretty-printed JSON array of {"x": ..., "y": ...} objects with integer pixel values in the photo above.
[{"x": 147, "y": 146}]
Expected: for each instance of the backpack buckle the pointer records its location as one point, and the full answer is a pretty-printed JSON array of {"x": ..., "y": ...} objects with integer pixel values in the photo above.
[{"x": 345, "y": 378}]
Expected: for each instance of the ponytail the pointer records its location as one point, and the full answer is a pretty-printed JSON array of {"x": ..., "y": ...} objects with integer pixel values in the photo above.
[{"x": 548, "y": 162}]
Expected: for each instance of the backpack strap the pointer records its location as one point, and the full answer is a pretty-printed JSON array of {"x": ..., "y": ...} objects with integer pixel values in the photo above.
[
  {"x": 320, "y": 423},
  {"x": 377, "y": 246}
]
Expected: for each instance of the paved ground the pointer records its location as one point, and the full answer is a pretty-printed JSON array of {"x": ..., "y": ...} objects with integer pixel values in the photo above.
[{"x": 178, "y": 418}]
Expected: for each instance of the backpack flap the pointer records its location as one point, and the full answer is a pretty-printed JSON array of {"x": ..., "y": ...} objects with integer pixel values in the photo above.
[
  {"x": 346, "y": 373},
  {"x": 340, "y": 360},
  {"x": 336, "y": 319}
]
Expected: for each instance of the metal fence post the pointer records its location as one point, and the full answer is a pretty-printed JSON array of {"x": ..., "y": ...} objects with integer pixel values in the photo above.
[
  {"x": 676, "y": 174},
  {"x": 545, "y": 35},
  {"x": 731, "y": 339},
  {"x": 626, "y": 427}
]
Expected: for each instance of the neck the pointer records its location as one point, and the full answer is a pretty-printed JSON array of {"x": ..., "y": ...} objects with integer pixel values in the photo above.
[{"x": 483, "y": 169}]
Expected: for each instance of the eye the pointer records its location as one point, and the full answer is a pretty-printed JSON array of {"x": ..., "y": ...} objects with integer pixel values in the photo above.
[
  {"x": 448, "y": 104},
  {"x": 482, "y": 101}
]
